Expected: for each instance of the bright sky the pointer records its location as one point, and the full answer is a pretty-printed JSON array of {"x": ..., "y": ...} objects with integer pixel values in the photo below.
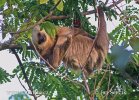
[{"x": 9, "y": 62}]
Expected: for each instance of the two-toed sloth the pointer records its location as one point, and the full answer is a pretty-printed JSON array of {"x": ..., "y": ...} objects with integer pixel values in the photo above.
[{"x": 75, "y": 47}]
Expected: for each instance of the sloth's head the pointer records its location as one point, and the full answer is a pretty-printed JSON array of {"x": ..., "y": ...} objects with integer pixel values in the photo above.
[{"x": 39, "y": 37}]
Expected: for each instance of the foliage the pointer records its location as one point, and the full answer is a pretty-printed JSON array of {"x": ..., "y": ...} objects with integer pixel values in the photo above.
[
  {"x": 19, "y": 96},
  {"x": 51, "y": 81},
  {"x": 4, "y": 76},
  {"x": 119, "y": 77}
]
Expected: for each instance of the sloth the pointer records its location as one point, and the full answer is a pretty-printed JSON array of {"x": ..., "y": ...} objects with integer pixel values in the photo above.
[{"x": 75, "y": 47}]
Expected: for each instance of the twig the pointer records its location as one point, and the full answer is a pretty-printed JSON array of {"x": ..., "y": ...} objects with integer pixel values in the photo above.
[
  {"x": 124, "y": 21},
  {"x": 113, "y": 98},
  {"x": 116, "y": 3},
  {"x": 106, "y": 2},
  {"x": 54, "y": 7},
  {"x": 95, "y": 84},
  {"x": 93, "y": 11},
  {"x": 85, "y": 83},
  {"x": 24, "y": 73},
  {"x": 22, "y": 84},
  {"x": 116, "y": 6},
  {"x": 42, "y": 20},
  {"x": 108, "y": 91},
  {"x": 108, "y": 81},
  {"x": 100, "y": 82},
  {"x": 44, "y": 59}
]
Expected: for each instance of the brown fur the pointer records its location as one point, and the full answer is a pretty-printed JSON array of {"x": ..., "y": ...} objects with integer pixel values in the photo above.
[
  {"x": 137, "y": 1},
  {"x": 74, "y": 46}
]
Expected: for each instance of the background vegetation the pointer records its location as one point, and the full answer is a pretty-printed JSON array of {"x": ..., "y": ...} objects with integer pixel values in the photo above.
[{"x": 119, "y": 78}]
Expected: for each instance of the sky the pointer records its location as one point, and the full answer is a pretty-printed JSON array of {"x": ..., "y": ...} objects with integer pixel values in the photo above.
[{"x": 9, "y": 62}]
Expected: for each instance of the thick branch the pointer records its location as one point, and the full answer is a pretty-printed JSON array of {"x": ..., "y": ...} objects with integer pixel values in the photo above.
[
  {"x": 9, "y": 45},
  {"x": 5, "y": 45}
]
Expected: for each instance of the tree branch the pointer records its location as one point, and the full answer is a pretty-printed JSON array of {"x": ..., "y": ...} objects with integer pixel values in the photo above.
[
  {"x": 4, "y": 46},
  {"x": 116, "y": 3},
  {"x": 85, "y": 82},
  {"x": 124, "y": 20},
  {"x": 24, "y": 73},
  {"x": 21, "y": 84}
]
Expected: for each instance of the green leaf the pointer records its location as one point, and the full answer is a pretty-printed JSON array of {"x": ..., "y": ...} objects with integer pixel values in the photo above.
[
  {"x": 4, "y": 76},
  {"x": 32, "y": 74},
  {"x": 136, "y": 59},
  {"x": 24, "y": 49},
  {"x": 49, "y": 28},
  {"x": 128, "y": 1},
  {"x": 60, "y": 6},
  {"x": 7, "y": 11},
  {"x": 43, "y": 1},
  {"x": 2, "y": 3},
  {"x": 19, "y": 96},
  {"x": 136, "y": 26},
  {"x": 3, "y": 35},
  {"x": 134, "y": 43}
]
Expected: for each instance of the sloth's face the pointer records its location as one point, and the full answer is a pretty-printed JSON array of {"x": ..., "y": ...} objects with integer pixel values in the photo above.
[{"x": 41, "y": 38}]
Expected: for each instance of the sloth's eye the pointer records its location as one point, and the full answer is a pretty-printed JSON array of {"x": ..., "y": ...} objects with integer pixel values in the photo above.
[{"x": 41, "y": 38}]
